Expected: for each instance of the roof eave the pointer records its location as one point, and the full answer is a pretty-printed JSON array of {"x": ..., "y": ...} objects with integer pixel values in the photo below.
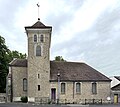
[{"x": 80, "y": 80}]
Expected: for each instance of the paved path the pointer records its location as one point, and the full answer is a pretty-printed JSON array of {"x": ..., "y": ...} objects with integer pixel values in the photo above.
[{"x": 37, "y": 105}]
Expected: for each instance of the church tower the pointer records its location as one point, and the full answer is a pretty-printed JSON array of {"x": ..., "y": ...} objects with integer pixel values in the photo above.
[{"x": 38, "y": 66}]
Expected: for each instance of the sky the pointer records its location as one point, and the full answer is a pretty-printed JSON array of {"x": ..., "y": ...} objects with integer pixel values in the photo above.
[{"x": 82, "y": 30}]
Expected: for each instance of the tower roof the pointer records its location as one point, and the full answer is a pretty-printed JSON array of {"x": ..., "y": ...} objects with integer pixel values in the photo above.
[{"x": 37, "y": 25}]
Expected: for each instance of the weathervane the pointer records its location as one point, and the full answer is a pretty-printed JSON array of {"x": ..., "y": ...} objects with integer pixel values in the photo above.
[{"x": 38, "y": 10}]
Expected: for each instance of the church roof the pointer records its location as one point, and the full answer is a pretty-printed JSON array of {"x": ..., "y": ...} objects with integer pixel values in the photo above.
[
  {"x": 19, "y": 63},
  {"x": 117, "y": 77},
  {"x": 73, "y": 71},
  {"x": 38, "y": 24},
  {"x": 69, "y": 71},
  {"x": 116, "y": 88}
]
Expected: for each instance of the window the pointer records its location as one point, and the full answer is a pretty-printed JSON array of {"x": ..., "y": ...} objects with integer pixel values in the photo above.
[
  {"x": 38, "y": 51},
  {"x": 63, "y": 88},
  {"x": 38, "y": 75},
  {"x": 24, "y": 84},
  {"x": 41, "y": 38},
  {"x": 38, "y": 87},
  {"x": 94, "y": 88},
  {"x": 35, "y": 38},
  {"x": 78, "y": 87}
]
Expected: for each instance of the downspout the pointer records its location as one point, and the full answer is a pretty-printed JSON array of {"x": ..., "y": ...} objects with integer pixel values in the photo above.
[
  {"x": 11, "y": 86},
  {"x": 73, "y": 89}
]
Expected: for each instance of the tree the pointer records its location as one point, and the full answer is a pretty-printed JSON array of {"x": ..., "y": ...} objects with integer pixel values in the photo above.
[
  {"x": 6, "y": 56},
  {"x": 4, "y": 51},
  {"x": 59, "y": 58}
]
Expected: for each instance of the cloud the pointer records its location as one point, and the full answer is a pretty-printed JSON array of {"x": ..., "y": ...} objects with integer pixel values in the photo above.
[{"x": 83, "y": 30}]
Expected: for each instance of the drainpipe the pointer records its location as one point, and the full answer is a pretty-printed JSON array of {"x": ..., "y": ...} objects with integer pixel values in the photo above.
[{"x": 73, "y": 89}]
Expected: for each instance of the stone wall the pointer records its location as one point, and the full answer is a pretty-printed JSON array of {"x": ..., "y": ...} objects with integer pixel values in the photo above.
[
  {"x": 38, "y": 65},
  {"x": 2, "y": 97},
  {"x": 18, "y": 74},
  {"x": 103, "y": 91}
]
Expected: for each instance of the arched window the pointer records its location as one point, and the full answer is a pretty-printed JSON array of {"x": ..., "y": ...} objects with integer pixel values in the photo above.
[
  {"x": 35, "y": 38},
  {"x": 63, "y": 88},
  {"x": 42, "y": 38},
  {"x": 78, "y": 87},
  {"x": 38, "y": 50},
  {"x": 94, "y": 88},
  {"x": 24, "y": 84}
]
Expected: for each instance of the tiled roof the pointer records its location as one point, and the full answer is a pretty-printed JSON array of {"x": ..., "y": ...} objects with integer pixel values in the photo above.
[
  {"x": 117, "y": 77},
  {"x": 69, "y": 71},
  {"x": 38, "y": 24},
  {"x": 116, "y": 88},
  {"x": 19, "y": 63}
]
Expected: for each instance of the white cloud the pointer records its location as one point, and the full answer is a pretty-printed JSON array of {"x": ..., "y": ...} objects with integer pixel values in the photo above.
[{"x": 83, "y": 30}]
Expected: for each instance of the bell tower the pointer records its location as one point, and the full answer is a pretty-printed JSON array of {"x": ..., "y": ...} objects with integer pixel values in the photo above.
[{"x": 38, "y": 66}]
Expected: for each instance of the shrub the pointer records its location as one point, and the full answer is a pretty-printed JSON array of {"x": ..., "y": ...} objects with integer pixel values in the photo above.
[{"x": 24, "y": 99}]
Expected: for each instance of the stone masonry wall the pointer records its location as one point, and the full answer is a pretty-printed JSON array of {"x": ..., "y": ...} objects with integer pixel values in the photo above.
[
  {"x": 38, "y": 65},
  {"x": 103, "y": 91},
  {"x": 18, "y": 74}
]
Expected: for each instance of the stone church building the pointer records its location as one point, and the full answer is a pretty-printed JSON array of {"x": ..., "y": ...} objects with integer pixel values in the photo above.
[{"x": 39, "y": 78}]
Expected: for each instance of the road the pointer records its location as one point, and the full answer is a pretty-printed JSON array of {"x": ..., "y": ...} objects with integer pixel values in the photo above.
[{"x": 37, "y": 105}]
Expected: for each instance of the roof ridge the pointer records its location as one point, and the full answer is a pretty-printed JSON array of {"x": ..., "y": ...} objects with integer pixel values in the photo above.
[{"x": 69, "y": 62}]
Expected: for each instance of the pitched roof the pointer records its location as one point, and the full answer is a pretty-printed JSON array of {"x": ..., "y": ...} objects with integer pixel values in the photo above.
[
  {"x": 38, "y": 24},
  {"x": 69, "y": 71},
  {"x": 116, "y": 88},
  {"x": 117, "y": 77},
  {"x": 19, "y": 63}
]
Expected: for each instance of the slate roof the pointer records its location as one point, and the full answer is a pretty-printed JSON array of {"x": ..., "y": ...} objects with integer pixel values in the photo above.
[
  {"x": 19, "y": 63},
  {"x": 73, "y": 71},
  {"x": 117, "y": 77},
  {"x": 38, "y": 24},
  {"x": 69, "y": 71},
  {"x": 116, "y": 88}
]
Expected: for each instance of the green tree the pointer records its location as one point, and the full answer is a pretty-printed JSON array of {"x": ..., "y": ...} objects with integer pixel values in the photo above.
[
  {"x": 6, "y": 56},
  {"x": 4, "y": 51},
  {"x": 59, "y": 58},
  {"x": 16, "y": 54}
]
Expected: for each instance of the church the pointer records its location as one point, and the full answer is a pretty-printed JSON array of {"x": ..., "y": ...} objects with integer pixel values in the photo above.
[{"x": 39, "y": 78}]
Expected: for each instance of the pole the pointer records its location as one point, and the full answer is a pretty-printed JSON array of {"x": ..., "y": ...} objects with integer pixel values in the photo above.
[
  {"x": 58, "y": 75},
  {"x": 38, "y": 11}
]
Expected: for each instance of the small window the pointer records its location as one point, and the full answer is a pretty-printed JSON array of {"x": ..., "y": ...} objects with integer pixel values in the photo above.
[
  {"x": 38, "y": 50},
  {"x": 24, "y": 84},
  {"x": 35, "y": 38},
  {"x": 41, "y": 38},
  {"x": 38, "y": 75},
  {"x": 62, "y": 88},
  {"x": 78, "y": 87},
  {"x": 94, "y": 88},
  {"x": 38, "y": 87}
]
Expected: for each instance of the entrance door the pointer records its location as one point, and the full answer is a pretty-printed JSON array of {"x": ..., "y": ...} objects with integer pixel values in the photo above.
[
  {"x": 115, "y": 98},
  {"x": 53, "y": 94}
]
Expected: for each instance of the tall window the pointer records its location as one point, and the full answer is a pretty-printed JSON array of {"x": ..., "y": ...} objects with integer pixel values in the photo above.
[
  {"x": 62, "y": 88},
  {"x": 78, "y": 87},
  {"x": 38, "y": 50},
  {"x": 41, "y": 38},
  {"x": 24, "y": 84},
  {"x": 38, "y": 75},
  {"x": 38, "y": 87},
  {"x": 94, "y": 88},
  {"x": 35, "y": 38}
]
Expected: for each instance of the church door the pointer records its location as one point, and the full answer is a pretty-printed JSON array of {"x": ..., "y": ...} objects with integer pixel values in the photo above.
[{"x": 53, "y": 94}]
